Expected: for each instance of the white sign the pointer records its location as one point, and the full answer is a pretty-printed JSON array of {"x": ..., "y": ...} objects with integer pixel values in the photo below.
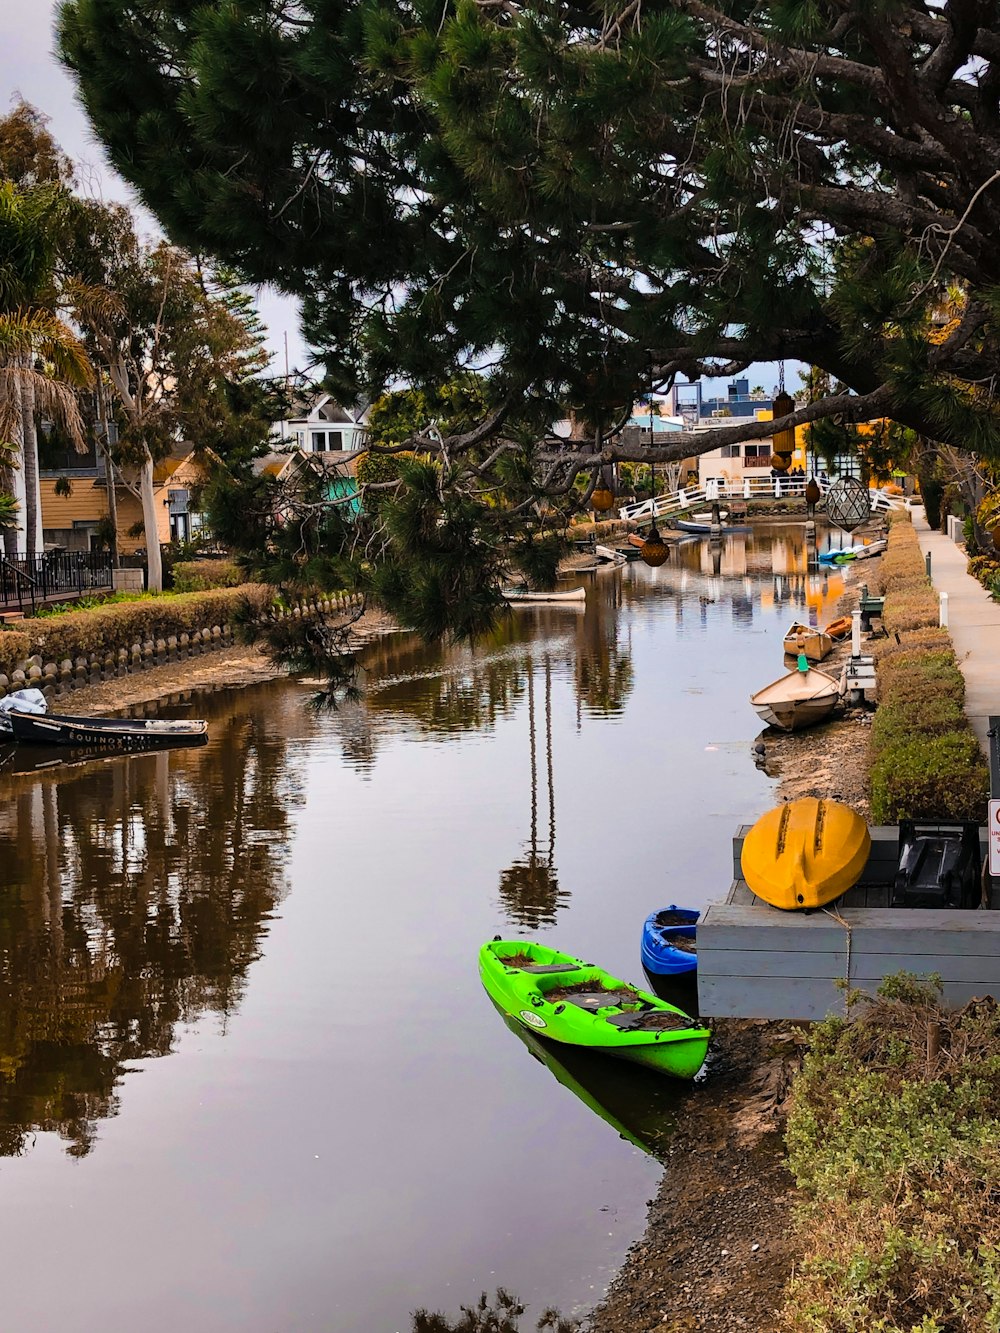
[{"x": 994, "y": 828}]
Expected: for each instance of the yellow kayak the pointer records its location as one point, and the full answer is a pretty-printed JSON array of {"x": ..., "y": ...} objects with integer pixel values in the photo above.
[{"x": 805, "y": 853}]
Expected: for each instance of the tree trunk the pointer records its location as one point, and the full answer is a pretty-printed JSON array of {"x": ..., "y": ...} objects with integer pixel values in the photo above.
[
  {"x": 8, "y": 535},
  {"x": 109, "y": 472},
  {"x": 29, "y": 462},
  {"x": 154, "y": 562}
]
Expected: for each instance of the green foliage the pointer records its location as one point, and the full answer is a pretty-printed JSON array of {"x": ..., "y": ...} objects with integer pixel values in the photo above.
[
  {"x": 939, "y": 777},
  {"x": 128, "y": 619},
  {"x": 200, "y": 575},
  {"x": 926, "y": 762},
  {"x": 15, "y": 647},
  {"x": 897, "y": 1154},
  {"x": 553, "y": 192}
]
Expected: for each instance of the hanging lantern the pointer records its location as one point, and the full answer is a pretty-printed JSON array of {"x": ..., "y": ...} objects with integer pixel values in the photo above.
[
  {"x": 848, "y": 503},
  {"x": 813, "y": 492},
  {"x": 783, "y": 441},
  {"x": 781, "y": 462},
  {"x": 602, "y": 499},
  {"x": 654, "y": 550}
]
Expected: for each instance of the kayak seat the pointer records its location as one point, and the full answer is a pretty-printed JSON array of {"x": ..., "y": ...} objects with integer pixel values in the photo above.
[
  {"x": 549, "y": 967},
  {"x": 598, "y": 999},
  {"x": 649, "y": 1020}
]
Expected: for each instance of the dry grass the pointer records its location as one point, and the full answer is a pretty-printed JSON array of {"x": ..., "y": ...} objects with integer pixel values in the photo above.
[{"x": 894, "y": 1138}]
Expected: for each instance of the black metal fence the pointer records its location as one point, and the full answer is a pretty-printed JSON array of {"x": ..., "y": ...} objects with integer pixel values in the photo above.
[{"x": 27, "y": 582}]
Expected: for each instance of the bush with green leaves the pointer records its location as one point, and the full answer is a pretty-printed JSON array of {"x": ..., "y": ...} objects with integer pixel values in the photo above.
[
  {"x": 110, "y": 628},
  {"x": 940, "y": 777},
  {"x": 897, "y": 1155},
  {"x": 15, "y": 646},
  {"x": 925, "y": 761},
  {"x": 200, "y": 575}
]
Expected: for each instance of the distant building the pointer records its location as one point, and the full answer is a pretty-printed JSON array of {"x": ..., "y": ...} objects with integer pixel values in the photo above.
[
  {"x": 320, "y": 425},
  {"x": 72, "y": 521},
  {"x": 690, "y": 401}
]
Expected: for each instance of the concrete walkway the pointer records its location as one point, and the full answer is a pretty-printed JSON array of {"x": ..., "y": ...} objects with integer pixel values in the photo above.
[{"x": 973, "y": 622}]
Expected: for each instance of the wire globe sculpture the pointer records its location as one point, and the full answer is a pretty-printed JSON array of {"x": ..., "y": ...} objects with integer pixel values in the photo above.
[{"x": 848, "y": 503}]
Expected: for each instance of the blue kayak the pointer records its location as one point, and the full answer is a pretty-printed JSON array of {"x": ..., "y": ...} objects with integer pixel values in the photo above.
[{"x": 668, "y": 941}]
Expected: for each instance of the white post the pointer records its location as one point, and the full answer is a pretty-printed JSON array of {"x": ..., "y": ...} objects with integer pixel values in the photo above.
[
  {"x": 855, "y": 633},
  {"x": 943, "y": 613},
  {"x": 746, "y": 488},
  {"x": 777, "y": 488},
  {"x": 712, "y": 489}
]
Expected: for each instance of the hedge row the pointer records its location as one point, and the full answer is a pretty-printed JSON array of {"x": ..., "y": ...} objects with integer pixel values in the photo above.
[
  {"x": 109, "y": 629},
  {"x": 201, "y": 575},
  {"x": 925, "y": 760}
]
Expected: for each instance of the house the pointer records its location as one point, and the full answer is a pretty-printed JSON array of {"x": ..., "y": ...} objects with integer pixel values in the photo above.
[
  {"x": 75, "y": 502},
  {"x": 690, "y": 402},
  {"x": 752, "y": 458},
  {"x": 320, "y": 425},
  {"x": 337, "y": 470}
]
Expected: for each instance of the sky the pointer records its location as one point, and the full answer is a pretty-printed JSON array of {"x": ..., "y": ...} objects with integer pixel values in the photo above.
[{"x": 28, "y": 68}]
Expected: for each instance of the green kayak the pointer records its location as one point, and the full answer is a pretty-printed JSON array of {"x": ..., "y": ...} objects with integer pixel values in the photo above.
[{"x": 571, "y": 1001}]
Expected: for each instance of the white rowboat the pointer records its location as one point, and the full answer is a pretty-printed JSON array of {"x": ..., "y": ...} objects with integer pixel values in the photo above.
[
  {"x": 799, "y": 699},
  {"x": 516, "y": 595}
]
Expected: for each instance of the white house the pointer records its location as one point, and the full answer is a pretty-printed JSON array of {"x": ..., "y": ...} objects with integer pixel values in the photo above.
[{"x": 320, "y": 425}]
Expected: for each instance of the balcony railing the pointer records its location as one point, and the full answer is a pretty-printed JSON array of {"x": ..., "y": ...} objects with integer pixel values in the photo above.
[{"x": 26, "y": 582}]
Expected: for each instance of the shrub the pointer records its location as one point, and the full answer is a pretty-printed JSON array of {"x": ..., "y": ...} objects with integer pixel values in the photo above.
[
  {"x": 918, "y": 674},
  {"x": 931, "y": 636},
  {"x": 910, "y": 608},
  {"x": 899, "y": 721},
  {"x": 200, "y": 575},
  {"x": 898, "y": 1158},
  {"x": 106, "y": 629},
  {"x": 930, "y": 777},
  {"x": 15, "y": 646}
]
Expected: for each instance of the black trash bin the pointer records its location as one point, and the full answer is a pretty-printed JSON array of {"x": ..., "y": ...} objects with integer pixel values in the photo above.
[{"x": 939, "y": 865}]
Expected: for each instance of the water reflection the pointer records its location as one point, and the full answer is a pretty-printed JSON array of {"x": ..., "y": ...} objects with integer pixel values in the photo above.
[
  {"x": 136, "y": 892},
  {"x": 529, "y": 888},
  {"x": 640, "y": 1105}
]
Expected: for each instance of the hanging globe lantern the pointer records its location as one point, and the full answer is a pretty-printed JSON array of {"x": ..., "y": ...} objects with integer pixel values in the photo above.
[
  {"x": 602, "y": 499},
  {"x": 848, "y": 503},
  {"x": 781, "y": 462},
  {"x": 813, "y": 492},
  {"x": 654, "y": 550},
  {"x": 783, "y": 441}
]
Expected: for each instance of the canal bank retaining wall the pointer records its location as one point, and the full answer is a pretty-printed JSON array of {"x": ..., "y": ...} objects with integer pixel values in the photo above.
[{"x": 74, "y": 673}]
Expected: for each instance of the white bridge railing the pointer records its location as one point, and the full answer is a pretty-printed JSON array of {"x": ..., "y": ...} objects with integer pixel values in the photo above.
[{"x": 747, "y": 488}]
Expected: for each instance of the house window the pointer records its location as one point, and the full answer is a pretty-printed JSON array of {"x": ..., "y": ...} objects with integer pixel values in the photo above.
[
  {"x": 300, "y": 439},
  {"x": 327, "y": 441}
]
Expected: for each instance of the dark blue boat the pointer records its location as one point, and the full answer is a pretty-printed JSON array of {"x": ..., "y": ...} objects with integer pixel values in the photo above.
[{"x": 668, "y": 941}]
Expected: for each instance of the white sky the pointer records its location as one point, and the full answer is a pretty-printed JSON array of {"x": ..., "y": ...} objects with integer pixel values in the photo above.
[{"x": 29, "y": 69}]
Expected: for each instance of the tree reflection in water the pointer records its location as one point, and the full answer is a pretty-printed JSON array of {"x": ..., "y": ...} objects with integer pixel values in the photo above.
[
  {"x": 498, "y": 1314},
  {"x": 135, "y": 892},
  {"x": 529, "y": 889}
]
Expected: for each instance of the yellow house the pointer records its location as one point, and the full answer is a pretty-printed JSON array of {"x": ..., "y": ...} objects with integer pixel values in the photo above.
[{"x": 72, "y": 520}]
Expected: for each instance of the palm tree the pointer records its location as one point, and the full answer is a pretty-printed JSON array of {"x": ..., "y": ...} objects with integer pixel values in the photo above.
[{"x": 42, "y": 361}]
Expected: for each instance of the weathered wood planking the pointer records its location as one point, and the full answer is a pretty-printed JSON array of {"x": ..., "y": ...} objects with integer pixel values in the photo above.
[{"x": 755, "y": 961}]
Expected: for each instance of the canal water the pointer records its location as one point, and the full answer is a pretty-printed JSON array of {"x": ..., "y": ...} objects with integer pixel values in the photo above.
[{"x": 249, "y": 1079}]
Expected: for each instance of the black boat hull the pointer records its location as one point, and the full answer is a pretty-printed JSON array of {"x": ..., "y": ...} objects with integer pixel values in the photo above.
[{"x": 104, "y": 735}]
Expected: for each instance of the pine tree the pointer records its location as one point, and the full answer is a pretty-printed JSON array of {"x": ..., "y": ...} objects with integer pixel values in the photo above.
[{"x": 553, "y": 190}]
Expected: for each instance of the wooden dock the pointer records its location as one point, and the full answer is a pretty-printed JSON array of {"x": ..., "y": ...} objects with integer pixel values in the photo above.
[{"x": 756, "y": 961}]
